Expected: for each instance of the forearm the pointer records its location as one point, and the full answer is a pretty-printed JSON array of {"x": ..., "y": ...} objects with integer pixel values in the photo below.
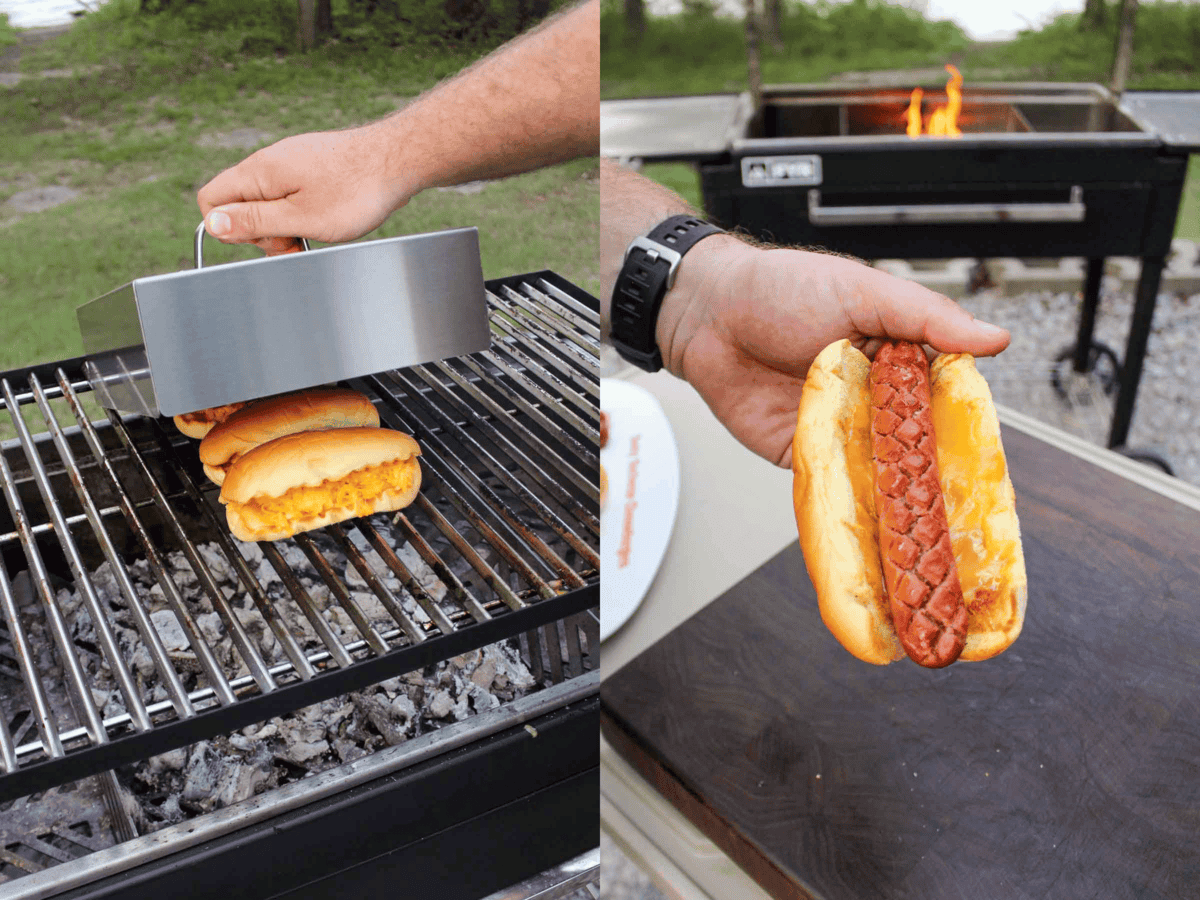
[
  {"x": 534, "y": 102},
  {"x": 630, "y": 206}
]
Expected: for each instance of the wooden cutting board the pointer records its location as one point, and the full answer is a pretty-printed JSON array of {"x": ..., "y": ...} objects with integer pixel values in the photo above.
[{"x": 1067, "y": 767}]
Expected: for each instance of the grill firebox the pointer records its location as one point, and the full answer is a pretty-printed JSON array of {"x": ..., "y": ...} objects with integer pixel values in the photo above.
[{"x": 105, "y": 660}]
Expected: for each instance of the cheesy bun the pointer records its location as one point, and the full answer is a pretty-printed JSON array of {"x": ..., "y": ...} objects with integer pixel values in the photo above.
[
  {"x": 199, "y": 423},
  {"x": 834, "y": 499},
  {"x": 274, "y": 417},
  {"x": 312, "y": 479}
]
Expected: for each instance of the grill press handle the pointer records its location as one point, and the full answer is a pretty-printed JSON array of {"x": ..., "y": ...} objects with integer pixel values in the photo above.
[
  {"x": 946, "y": 213},
  {"x": 200, "y": 232}
]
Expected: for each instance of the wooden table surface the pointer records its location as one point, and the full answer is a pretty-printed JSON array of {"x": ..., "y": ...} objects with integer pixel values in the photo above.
[{"x": 1067, "y": 767}]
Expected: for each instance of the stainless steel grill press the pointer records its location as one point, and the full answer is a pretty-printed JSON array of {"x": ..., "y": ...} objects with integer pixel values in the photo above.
[{"x": 174, "y": 343}]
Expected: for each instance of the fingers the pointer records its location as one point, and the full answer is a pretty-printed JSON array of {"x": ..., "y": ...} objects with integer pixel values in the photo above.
[
  {"x": 267, "y": 223},
  {"x": 907, "y": 311}
]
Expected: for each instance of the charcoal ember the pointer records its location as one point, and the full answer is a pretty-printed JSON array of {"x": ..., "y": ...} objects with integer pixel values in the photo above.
[
  {"x": 266, "y": 574},
  {"x": 355, "y": 579},
  {"x": 171, "y": 761},
  {"x": 403, "y": 709},
  {"x": 481, "y": 699},
  {"x": 211, "y": 627},
  {"x": 216, "y": 562},
  {"x": 170, "y": 632},
  {"x": 372, "y": 608},
  {"x": 181, "y": 571},
  {"x": 257, "y": 627},
  {"x": 251, "y": 552},
  {"x": 421, "y": 572},
  {"x": 139, "y": 570},
  {"x": 339, "y": 619},
  {"x": 442, "y": 704},
  {"x": 215, "y": 777}
]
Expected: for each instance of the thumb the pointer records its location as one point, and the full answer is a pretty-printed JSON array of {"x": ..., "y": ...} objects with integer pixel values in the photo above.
[
  {"x": 951, "y": 329},
  {"x": 254, "y": 221}
]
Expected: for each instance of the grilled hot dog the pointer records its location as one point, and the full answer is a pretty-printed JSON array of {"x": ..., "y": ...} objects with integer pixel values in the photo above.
[{"x": 905, "y": 509}]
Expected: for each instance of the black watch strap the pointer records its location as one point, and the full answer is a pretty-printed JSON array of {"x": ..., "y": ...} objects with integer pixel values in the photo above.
[{"x": 646, "y": 276}]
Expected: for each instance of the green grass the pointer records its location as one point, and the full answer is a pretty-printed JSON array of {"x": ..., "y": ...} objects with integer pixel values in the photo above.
[
  {"x": 1188, "y": 223},
  {"x": 130, "y": 137}
]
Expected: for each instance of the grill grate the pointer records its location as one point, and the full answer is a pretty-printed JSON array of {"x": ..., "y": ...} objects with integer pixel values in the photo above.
[{"x": 502, "y": 542}]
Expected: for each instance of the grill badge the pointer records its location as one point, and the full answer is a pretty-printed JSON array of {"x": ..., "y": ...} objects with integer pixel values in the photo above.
[{"x": 780, "y": 171}]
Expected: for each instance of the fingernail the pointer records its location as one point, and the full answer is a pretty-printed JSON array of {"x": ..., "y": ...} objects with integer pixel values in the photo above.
[
  {"x": 987, "y": 327},
  {"x": 218, "y": 224}
]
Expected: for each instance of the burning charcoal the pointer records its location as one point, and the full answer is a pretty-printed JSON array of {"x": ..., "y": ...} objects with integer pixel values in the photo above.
[
  {"x": 341, "y": 622},
  {"x": 140, "y": 571},
  {"x": 141, "y": 661},
  {"x": 484, "y": 674},
  {"x": 100, "y": 697},
  {"x": 211, "y": 627},
  {"x": 181, "y": 571},
  {"x": 442, "y": 704},
  {"x": 481, "y": 698},
  {"x": 375, "y": 611},
  {"x": 251, "y": 552},
  {"x": 169, "y": 630},
  {"x": 216, "y": 562},
  {"x": 404, "y": 709},
  {"x": 421, "y": 572},
  {"x": 347, "y": 750},
  {"x": 266, "y": 574},
  {"x": 171, "y": 761},
  {"x": 380, "y": 716}
]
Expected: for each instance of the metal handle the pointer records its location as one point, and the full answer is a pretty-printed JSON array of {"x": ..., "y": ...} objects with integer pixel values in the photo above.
[
  {"x": 199, "y": 252},
  {"x": 946, "y": 213}
]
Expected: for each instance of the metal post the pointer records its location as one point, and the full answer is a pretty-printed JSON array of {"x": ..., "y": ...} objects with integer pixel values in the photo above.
[
  {"x": 1087, "y": 314},
  {"x": 1135, "y": 348}
]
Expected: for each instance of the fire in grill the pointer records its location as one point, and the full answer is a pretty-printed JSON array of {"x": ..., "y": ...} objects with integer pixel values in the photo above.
[{"x": 133, "y": 624}]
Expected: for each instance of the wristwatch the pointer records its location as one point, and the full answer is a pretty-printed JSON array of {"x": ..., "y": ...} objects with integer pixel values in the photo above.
[{"x": 647, "y": 274}]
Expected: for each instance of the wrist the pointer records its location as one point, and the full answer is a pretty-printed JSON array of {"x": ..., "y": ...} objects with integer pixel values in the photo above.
[{"x": 703, "y": 277}]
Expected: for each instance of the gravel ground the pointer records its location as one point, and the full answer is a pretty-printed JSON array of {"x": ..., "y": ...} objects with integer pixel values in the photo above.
[
  {"x": 1167, "y": 412},
  {"x": 620, "y": 879}
]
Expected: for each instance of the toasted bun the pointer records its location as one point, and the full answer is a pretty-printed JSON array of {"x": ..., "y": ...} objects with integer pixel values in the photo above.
[
  {"x": 311, "y": 457},
  {"x": 834, "y": 499},
  {"x": 980, "y": 506},
  {"x": 199, "y": 423},
  {"x": 274, "y": 417},
  {"x": 315, "y": 478},
  {"x": 835, "y": 507}
]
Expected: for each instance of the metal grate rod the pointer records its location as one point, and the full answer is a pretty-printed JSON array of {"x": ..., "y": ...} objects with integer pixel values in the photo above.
[
  {"x": 41, "y": 706},
  {"x": 241, "y": 640},
  {"x": 550, "y": 360},
  {"x": 535, "y": 314},
  {"x": 41, "y": 579},
  {"x": 204, "y": 655},
  {"x": 247, "y": 578},
  {"x": 338, "y": 590},
  {"x": 308, "y": 606},
  {"x": 415, "y": 589},
  {"x": 544, "y": 512},
  {"x": 489, "y": 575},
  {"x": 389, "y": 602},
  {"x": 546, "y": 398},
  {"x": 448, "y": 578},
  {"x": 586, "y": 452},
  {"x": 550, "y": 485},
  {"x": 145, "y": 627},
  {"x": 445, "y": 461}
]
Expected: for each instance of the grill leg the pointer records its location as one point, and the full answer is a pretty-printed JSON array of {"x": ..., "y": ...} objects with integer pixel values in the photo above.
[
  {"x": 1135, "y": 348},
  {"x": 1087, "y": 313}
]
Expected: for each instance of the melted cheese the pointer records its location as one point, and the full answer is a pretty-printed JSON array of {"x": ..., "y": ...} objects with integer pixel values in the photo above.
[{"x": 356, "y": 493}]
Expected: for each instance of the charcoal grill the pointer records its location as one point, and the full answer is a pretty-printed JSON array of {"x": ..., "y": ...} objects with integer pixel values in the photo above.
[
  {"x": 1041, "y": 170},
  {"x": 501, "y": 544}
]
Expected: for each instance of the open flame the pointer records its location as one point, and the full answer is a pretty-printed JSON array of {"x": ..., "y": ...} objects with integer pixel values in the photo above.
[{"x": 943, "y": 121}]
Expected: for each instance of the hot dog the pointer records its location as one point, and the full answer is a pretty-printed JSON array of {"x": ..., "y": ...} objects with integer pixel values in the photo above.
[{"x": 906, "y": 513}]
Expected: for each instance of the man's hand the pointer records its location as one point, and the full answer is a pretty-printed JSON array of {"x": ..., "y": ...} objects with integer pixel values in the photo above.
[
  {"x": 328, "y": 186},
  {"x": 743, "y": 324}
]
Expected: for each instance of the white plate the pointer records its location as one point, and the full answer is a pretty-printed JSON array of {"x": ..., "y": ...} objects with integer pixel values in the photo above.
[{"x": 642, "y": 465}]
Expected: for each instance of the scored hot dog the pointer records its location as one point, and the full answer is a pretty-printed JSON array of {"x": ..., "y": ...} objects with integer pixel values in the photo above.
[{"x": 906, "y": 513}]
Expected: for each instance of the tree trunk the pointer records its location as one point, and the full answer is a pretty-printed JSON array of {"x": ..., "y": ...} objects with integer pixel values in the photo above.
[
  {"x": 1124, "y": 53},
  {"x": 325, "y": 18},
  {"x": 1095, "y": 14},
  {"x": 773, "y": 23},
  {"x": 635, "y": 20},
  {"x": 306, "y": 35},
  {"x": 752, "y": 55}
]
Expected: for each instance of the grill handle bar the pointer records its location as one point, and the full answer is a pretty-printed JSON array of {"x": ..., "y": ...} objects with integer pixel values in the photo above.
[
  {"x": 946, "y": 213},
  {"x": 199, "y": 245}
]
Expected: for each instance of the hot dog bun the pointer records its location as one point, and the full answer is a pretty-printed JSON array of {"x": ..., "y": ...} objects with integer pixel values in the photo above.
[
  {"x": 274, "y": 417},
  {"x": 980, "y": 506},
  {"x": 199, "y": 423},
  {"x": 311, "y": 479},
  {"x": 837, "y": 520}
]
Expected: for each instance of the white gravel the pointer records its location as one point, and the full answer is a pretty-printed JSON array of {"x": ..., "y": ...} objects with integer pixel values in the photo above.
[{"x": 1166, "y": 415}]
